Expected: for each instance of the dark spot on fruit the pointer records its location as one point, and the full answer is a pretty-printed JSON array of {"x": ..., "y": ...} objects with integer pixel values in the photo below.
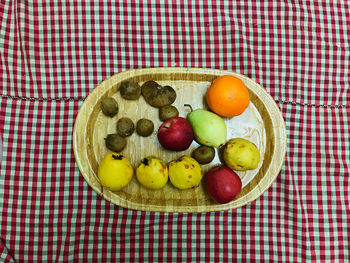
[
  {"x": 145, "y": 161},
  {"x": 152, "y": 182},
  {"x": 192, "y": 165},
  {"x": 190, "y": 176},
  {"x": 240, "y": 166},
  {"x": 164, "y": 166},
  {"x": 117, "y": 157},
  {"x": 242, "y": 146},
  {"x": 187, "y": 166}
]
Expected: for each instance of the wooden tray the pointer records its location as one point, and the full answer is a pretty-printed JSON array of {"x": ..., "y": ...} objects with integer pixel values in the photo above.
[{"x": 261, "y": 123}]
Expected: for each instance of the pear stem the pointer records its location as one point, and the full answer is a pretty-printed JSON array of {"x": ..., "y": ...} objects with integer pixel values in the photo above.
[{"x": 188, "y": 105}]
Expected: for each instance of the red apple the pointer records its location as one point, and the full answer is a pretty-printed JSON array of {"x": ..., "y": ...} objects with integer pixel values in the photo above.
[
  {"x": 222, "y": 184},
  {"x": 175, "y": 134}
]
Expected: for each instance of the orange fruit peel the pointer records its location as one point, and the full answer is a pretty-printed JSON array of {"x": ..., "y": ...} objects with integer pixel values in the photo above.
[{"x": 227, "y": 96}]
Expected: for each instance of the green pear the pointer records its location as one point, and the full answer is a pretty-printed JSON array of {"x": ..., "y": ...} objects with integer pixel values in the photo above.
[{"x": 209, "y": 129}]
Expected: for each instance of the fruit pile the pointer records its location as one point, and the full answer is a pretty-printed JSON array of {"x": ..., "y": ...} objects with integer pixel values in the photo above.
[{"x": 227, "y": 96}]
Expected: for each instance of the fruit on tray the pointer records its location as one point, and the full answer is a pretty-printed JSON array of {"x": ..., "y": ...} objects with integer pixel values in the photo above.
[
  {"x": 175, "y": 134},
  {"x": 227, "y": 96},
  {"x": 167, "y": 112},
  {"x": 241, "y": 155},
  {"x": 152, "y": 173},
  {"x": 222, "y": 184},
  {"x": 209, "y": 128},
  {"x": 109, "y": 106},
  {"x": 125, "y": 127},
  {"x": 130, "y": 90},
  {"x": 144, "y": 127},
  {"x": 115, "y": 142},
  {"x": 185, "y": 172},
  {"x": 115, "y": 171},
  {"x": 157, "y": 95},
  {"x": 203, "y": 154}
]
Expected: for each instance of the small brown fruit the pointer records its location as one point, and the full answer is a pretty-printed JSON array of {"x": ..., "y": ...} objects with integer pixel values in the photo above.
[
  {"x": 109, "y": 106},
  {"x": 156, "y": 95},
  {"x": 204, "y": 154},
  {"x": 115, "y": 142},
  {"x": 130, "y": 90},
  {"x": 167, "y": 112},
  {"x": 125, "y": 127},
  {"x": 144, "y": 127}
]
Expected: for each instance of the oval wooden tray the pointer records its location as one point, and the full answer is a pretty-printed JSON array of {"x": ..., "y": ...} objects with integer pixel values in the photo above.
[{"x": 261, "y": 123}]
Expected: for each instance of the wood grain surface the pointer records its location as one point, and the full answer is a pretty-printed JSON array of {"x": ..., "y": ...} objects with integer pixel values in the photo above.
[{"x": 262, "y": 123}]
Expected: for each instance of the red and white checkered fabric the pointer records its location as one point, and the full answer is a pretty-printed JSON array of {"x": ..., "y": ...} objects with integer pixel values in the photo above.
[{"x": 53, "y": 53}]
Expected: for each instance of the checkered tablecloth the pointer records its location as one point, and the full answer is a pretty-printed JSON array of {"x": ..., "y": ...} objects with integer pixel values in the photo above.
[{"x": 53, "y": 53}]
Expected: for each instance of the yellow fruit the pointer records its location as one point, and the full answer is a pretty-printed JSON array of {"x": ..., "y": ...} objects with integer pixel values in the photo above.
[
  {"x": 152, "y": 173},
  {"x": 241, "y": 155},
  {"x": 115, "y": 171},
  {"x": 185, "y": 172}
]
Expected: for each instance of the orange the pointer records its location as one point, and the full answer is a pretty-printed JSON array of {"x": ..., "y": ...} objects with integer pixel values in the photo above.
[{"x": 227, "y": 96}]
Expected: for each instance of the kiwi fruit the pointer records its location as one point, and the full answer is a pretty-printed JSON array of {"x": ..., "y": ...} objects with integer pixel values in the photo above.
[
  {"x": 167, "y": 112},
  {"x": 203, "y": 154},
  {"x": 144, "y": 127},
  {"x": 157, "y": 95},
  {"x": 115, "y": 142},
  {"x": 109, "y": 106},
  {"x": 130, "y": 90},
  {"x": 125, "y": 127}
]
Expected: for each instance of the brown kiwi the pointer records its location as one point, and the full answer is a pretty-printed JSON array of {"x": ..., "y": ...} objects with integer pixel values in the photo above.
[
  {"x": 167, "y": 112},
  {"x": 144, "y": 127},
  {"x": 109, "y": 106},
  {"x": 115, "y": 142},
  {"x": 156, "y": 95},
  {"x": 125, "y": 127},
  {"x": 130, "y": 90},
  {"x": 204, "y": 154}
]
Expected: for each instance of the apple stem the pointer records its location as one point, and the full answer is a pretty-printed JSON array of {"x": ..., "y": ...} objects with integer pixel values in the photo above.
[{"x": 188, "y": 105}]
